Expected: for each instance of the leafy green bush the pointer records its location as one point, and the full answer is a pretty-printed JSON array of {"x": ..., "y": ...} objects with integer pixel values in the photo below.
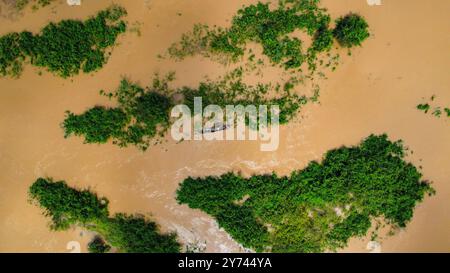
[
  {"x": 299, "y": 213},
  {"x": 64, "y": 48},
  {"x": 70, "y": 207},
  {"x": 98, "y": 245},
  {"x": 351, "y": 30}
]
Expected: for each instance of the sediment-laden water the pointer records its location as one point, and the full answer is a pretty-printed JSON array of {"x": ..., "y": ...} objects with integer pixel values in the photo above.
[{"x": 375, "y": 90}]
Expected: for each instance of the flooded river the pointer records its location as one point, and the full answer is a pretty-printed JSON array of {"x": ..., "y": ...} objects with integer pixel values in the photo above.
[{"x": 375, "y": 90}]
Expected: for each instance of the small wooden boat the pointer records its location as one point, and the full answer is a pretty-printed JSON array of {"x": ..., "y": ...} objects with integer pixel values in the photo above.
[{"x": 216, "y": 128}]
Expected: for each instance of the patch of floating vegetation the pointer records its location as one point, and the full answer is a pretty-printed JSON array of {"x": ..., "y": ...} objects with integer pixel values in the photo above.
[
  {"x": 69, "y": 207},
  {"x": 142, "y": 115},
  {"x": 64, "y": 48},
  {"x": 273, "y": 29},
  {"x": 436, "y": 111},
  {"x": 22, "y": 4},
  {"x": 300, "y": 213}
]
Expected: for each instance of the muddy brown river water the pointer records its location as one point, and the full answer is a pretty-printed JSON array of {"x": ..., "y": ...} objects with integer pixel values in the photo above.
[{"x": 375, "y": 90}]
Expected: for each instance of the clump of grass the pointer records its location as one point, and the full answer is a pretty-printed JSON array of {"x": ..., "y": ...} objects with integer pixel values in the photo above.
[
  {"x": 298, "y": 213},
  {"x": 64, "y": 48},
  {"x": 69, "y": 207}
]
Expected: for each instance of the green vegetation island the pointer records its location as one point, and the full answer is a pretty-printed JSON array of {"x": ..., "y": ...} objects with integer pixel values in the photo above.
[
  {"x": 69, "y": 207},
  {"x": 64, "y": 48},
  {"x": 142, "y": 115},
  {"x": 436, "y": 111},
  {"x": 318, "y": 208},
  {"x": 315, "y": 209},
  {"x": 273, "y": 29}
]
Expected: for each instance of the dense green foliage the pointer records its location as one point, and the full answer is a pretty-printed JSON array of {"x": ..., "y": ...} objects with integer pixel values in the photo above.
[
  {"x": 97, "y": 125},
  {"x": 143, "y": 114},
  {"x": 300, "y": 213},
  {"x": 272, "y": 29},
  {"x": 351, "y": 30},
  {"x": 282, "y": 30},
  {"x": 64, "y": 48},
  {"x": 67, "y": 206},
  {"x": 128, "y": 233},
  {"x": 98, "y": 245}
]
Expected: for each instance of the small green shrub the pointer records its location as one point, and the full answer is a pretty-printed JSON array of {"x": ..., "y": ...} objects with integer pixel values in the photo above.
[
  {"x": 67, "y": 206},
  {"x": 351, "y": 30},
  {"x": 323, "y": 40},
  {"x": 135, "y": 234},
  {"x": 98, "y": 245},
  {"x": 270, "y": 28},
  {"x": 141, "y": 115}
]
